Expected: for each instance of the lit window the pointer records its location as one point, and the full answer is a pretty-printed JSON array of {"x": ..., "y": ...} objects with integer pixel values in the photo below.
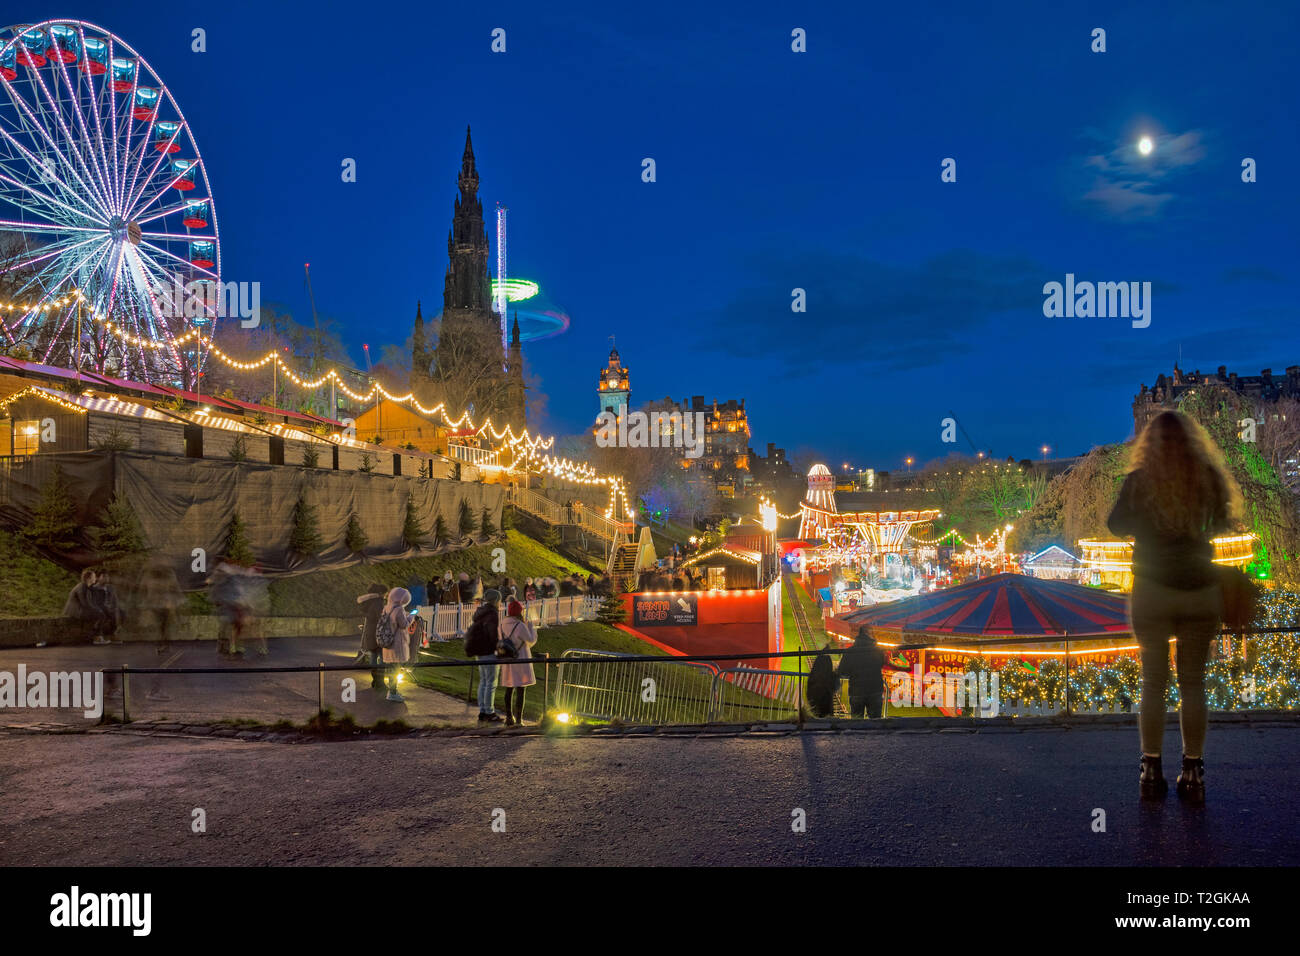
[{"x": 27, "y": 437}]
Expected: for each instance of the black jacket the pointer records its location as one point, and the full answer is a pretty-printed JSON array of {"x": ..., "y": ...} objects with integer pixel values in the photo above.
[
  {"x": 372, "y": 607},
  {"x": 481, "y": 637},
  {"x": 821, "y": 686},
  {"x": 863, "y": 664}
]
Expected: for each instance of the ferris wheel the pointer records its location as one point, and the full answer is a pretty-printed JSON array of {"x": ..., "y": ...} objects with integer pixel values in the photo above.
[{"x": 110, "y": 256}]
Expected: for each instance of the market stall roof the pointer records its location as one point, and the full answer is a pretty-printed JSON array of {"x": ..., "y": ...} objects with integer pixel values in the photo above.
[{"x": 1003, "y": 605}]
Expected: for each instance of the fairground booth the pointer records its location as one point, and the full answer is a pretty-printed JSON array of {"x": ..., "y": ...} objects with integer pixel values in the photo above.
[
  {"x": 735, "y": 610},
  {"x": 1009, "y": 623}
]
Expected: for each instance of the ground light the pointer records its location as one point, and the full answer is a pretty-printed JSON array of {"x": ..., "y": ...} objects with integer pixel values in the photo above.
[{"x": 563, "y": 717}]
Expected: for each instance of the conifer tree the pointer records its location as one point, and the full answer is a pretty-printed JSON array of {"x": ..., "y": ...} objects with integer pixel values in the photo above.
[
  {"x": 54, "y": 519},
  {"x": 305, "y": 540},
  {"x": 118, "y": 533},
  {"x": 468, "y": 523},
  {"x": 237, "y": 548},
  {"x": 355, "y": 539},
  {"x": 412, "y": 531}
]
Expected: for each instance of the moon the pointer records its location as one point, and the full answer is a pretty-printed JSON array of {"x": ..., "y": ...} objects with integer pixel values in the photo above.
[{"x": 1145, "y": 146}]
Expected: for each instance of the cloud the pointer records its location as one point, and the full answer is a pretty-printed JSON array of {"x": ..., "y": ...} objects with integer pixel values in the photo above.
[
  {"x": 1251, "y": 274},
  {"x": 891, "y": 317},
  {"x": 1124, "y": 184}
]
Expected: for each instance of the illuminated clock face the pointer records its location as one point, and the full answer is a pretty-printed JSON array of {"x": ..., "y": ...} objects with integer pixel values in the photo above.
[{"x": 613, "y": 383}]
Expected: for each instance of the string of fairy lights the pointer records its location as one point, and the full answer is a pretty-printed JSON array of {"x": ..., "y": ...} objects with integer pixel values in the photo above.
[{"x": 527, "y": 448}]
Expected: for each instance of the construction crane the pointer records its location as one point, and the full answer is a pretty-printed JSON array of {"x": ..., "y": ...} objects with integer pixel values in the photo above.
[
  {"x": 953, "y": 416},
  {"x": 315, "y": 319}
]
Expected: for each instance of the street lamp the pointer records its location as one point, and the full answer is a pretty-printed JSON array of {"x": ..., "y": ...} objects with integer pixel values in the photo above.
[
  {"x": 1045, "y": 450},
  {"x": 909, "y": 464}
]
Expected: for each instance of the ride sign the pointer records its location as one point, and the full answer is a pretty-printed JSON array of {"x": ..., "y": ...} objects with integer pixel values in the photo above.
[{"x": 665, "y": 610}]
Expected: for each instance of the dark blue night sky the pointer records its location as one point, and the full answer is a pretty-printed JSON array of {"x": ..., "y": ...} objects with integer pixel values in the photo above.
[{"x": 776, "y": 170}]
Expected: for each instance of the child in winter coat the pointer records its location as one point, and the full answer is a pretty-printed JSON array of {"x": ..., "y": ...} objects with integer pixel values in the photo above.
[{"x": 400, "y": 652}]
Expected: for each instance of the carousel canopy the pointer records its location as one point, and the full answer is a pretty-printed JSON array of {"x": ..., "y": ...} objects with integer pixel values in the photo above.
[{"x": 1002, "y": 605}]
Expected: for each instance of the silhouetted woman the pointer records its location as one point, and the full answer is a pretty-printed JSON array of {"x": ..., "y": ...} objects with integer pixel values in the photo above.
[{"x": 1177, "y": 497}]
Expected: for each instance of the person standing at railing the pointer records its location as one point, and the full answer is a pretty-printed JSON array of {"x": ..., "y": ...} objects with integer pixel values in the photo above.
[
  {"x": 821, "y": 686},
  {"x": 481, "y": 644},
  {"x": 450, "y": 590},
  {"x": 516, "y": 641},
  {"x": 863, "y": 665},
  {"x": 1177, "y": 497},
  {"x": 530, "y": 590},
  {"x": 372, "y": 606},
  {"x": 81, "y": 607},
  {"x": 392, "y": 636}
]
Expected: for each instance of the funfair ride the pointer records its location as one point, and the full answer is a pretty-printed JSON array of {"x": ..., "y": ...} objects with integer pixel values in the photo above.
[
  {"x": 874, "y": 534},
  {"x": 105, "y": 209}
]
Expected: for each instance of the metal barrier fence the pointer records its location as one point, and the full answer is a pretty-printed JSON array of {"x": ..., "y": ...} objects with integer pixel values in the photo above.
[
  {"x": 605, "y": 685},
  {"x": 447, "y": 622},
  {"x": 743, "y": 694},
  {"x": 1255, "y": 671}
]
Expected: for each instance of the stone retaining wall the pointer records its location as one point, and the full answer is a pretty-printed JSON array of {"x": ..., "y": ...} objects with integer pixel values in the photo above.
[{"x": 27, "y": 632}]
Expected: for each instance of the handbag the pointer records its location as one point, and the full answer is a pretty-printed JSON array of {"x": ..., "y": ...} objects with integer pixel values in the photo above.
[
  {"x": 1240, "y": 598},
  {"x": 506, "y": 647},
  {"x": 386, "y": 632}
]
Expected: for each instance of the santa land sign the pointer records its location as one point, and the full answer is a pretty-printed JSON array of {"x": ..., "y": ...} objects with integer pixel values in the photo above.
[{"x": 665, "y": 610}]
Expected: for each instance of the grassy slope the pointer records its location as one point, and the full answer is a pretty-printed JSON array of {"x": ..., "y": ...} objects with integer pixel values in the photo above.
[
  {"x": 462, "y": 682},
  {"x": 333, "y": 593},
  {"x": 32, "y": 585},
  {"x": 587, "y": 635}
]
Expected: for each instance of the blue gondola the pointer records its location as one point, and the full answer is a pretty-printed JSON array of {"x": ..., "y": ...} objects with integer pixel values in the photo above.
[
  {"x": 94, "y": 58},
  {"x": 32, "y": 46},
  {"x": 146, "y": 103},
  {"x": 183, "y": 170},
  {"x": 65, "y": 45},
  {"x": 196, "y": 214},
  {"x": 123, "y": 74},
  {"x": 165, "y": 138},
  {"x": 203, "y": 254}
]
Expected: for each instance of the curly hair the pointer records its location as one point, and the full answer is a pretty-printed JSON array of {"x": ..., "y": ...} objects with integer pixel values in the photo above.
[{"x": 1180, "y": 478}]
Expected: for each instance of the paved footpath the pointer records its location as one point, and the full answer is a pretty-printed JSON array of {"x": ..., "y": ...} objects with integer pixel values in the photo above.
[
  {"x": 1015, "y": 797},
  {"x": 203, "y": 698}
]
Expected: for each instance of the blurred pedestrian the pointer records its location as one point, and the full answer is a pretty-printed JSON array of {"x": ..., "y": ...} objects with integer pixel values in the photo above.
[
  {"x": 372, "y": 607},
  {"x": 83, "y": 607},
  {"x": 103, "y": 596},
  {"x": 158, "y": 599}
]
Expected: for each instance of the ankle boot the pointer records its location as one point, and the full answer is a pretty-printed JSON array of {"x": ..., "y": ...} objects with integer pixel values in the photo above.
[
  {"x": 1152, "y": 784},
  {"x": 1191, "y": 782}
]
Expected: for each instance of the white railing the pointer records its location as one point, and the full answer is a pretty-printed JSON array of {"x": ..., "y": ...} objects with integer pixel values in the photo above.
[
  {"x": 539, "y": 505},
  {"x": 448, "y": 622},
  {"x": 594, "y": 521},
  {"x": 474, "y": 456}
]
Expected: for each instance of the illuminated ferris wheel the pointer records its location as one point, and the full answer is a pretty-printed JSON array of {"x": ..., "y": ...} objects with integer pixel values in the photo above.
[{"x": 102, "y": 192}]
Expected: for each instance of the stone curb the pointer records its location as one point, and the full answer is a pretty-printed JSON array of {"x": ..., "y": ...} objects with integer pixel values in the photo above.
[{"x": 897, "y": 725}]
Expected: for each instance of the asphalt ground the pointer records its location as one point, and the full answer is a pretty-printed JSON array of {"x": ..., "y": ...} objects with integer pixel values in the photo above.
[{"x": 992, "y": 797}]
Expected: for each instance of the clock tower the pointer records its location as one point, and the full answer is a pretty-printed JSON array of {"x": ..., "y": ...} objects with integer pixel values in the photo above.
[{"x": 614, "y": 389}]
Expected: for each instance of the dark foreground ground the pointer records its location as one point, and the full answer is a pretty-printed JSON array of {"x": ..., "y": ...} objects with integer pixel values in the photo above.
[{"x": 892, "y": 799}]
